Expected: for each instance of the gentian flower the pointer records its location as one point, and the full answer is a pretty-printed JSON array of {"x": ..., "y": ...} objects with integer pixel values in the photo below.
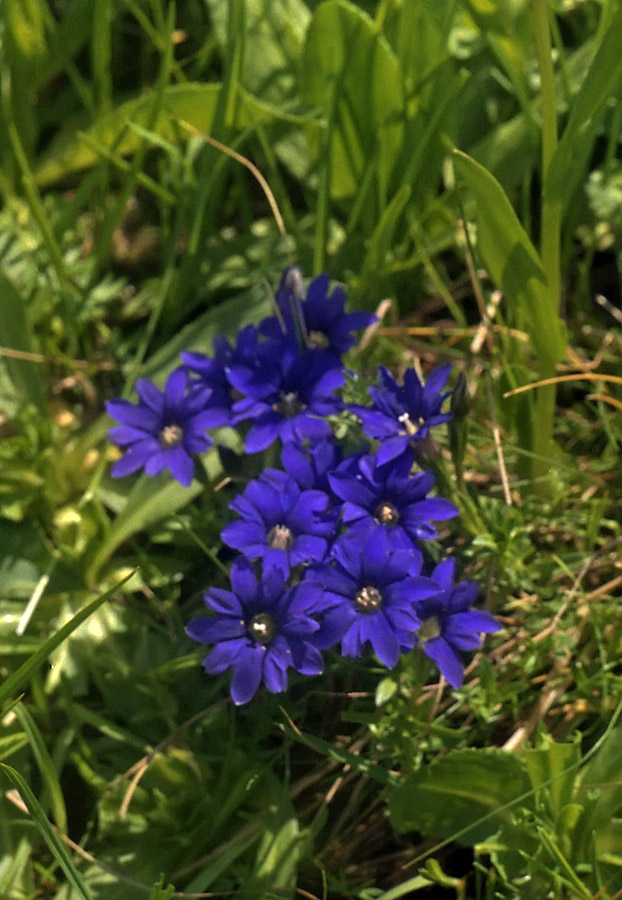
[
  {"x": 259, "y": 629},
  {"x": 311, "y": 467},
  {"x": 320, "y": 317},
  {"x": 211, "y": 372},
  {"x": 371, "y": 591},
  {"x": 449, "y": 625},
  {"x": 164, "y": 430},
  {"x": 288, "y": 396},
  {"x": 404, "y": 414},
  {"x": 388, "y": 496},
  {"x": 280, "y": 523}
]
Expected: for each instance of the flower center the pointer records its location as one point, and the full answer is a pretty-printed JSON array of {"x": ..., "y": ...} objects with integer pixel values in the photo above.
[
  {"x": 289, "y": 405},
  {"x": 318, "y": 339},
  {"x": 429, "y": 628},
  {"x": 386, "y": 513},
  {"x": 262, "y": 628},
  {"x": 171, "y": 435},
  {"x": 280, "y": 537},
  {"x": 409, "y": 426},
  {"x": 368, "y": 600}
]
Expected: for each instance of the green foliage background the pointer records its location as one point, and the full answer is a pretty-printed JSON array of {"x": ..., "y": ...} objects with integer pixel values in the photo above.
[{"x": 406, "y": 144}]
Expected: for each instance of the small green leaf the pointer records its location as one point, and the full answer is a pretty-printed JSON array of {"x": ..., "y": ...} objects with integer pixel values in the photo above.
[
  {"x": 385, "y": 690},
  {"x": 160, "y": 891}
]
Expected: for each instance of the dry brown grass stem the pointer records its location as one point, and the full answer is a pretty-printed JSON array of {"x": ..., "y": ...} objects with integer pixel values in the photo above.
[
  {"x": 559, "y": 379},
  {"x": 496, "y": 434},
  {"x": 276, "y": 212}
]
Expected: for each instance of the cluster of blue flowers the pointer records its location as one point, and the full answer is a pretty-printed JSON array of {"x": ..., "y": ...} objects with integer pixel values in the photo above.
[{"x": 329, "y": 544}]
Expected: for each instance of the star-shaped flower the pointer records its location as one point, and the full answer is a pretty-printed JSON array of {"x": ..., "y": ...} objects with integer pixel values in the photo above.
[
  {"x": 280, "y": 523},
  {"x": 164, "y": 430},
  {"x": 319, "y": 318},
  {"x": 288, "y": 397},
  {"x": 259, "y": 629},
  {"x": 403, "y": 414},
  {"x": 389, "y": 497},
  {"x": 371, "y": 590},
  {"x": 449, "y": 625}
]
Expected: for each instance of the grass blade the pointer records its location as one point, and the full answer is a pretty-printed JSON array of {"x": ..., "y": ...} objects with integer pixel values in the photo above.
[
  {"x": 15, "y": 681},
  {"x": 56, "y": 846}
]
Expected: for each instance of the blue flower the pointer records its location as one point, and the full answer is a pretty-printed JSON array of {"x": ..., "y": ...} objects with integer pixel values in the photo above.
[
  {"x": 311, "y": 467},
  {"x": 388, "y": 496},
  {"x": 448, "y": 624},
  {"x": 371, "y": 592},
  {"x": 288, "y": 396},
  {"x": 164, "y": 430},
  {"x": 403, "y": 414},
  {"x": 320, "y": 317},
  {"x": 211, "y": 372},
  {"x": 280, "y": 523},
  {"x": 259, "y": 629}
]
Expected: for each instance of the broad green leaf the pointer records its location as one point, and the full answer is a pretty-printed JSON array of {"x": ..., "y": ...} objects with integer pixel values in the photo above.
[
  {"x": 150, "y": 499},
  {"x": 55, "y": 845},
  {"x": 463, "y": 795},
  {"x": 600, "y": 789},
  {"x": 512, "y": 261},
  {"x": 23, "y": 559},
  {"x": 20, "y": 379},
  {"x": 353, "y": 75},
  {"x": 274, "y": 32},
  {"x": 194, "y": 103},
  {"x": 18, "y": 679},
  {"x": 602, "y": 82}
]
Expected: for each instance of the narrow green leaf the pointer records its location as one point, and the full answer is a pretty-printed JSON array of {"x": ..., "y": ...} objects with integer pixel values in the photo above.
[
  {"x": 512, "y": 261},
  {"x": 46, "y": 766},
  {"x": 56, "y": 846},
  {"x": 17, "y": 679},
  {"x": 555, "y": 766},
  {"x": 357, "y": 763},
  {"x": 12, "y": 743},
  {"x": 381, "y": 239},
  {"x": 601, "y": 82}
]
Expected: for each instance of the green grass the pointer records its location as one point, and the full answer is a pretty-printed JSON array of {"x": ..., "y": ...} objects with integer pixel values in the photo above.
[{"x": 429, "y": 154}]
